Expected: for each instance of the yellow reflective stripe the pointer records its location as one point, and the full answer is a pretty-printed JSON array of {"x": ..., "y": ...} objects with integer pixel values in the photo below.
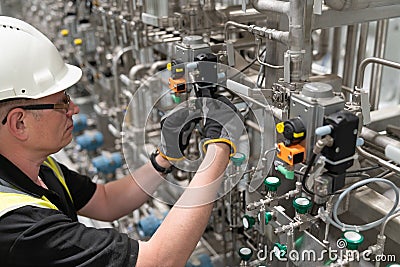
[
  {"x": 220, "y": 140},
  {"x": 13, "y": 201},
  {"x": 297, "y": 135},
  {"x": 169, "y": 158},
  {"x": 53, "y": 165},
  {"x": 45, "y": 199}
]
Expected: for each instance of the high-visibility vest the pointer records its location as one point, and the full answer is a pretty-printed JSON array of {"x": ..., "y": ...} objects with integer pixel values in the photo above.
[{"x": 12, "y": 198}]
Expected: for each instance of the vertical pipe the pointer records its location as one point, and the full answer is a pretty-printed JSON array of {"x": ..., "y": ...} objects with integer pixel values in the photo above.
[
  {"x": 224, "y": 226},
  {"x": 234, "y": 222},
  {"x": 323, "y": 45},
  {"x": 337, "y": 36},
  {"x": 106, "y": 34},
  {"x": 113, "y": 29},
  {"x": 131, "y": 7},
  {"x": 376, "y": 73},
  {"x": 307, "y": 43},
  {"x": 296, "y": 30},
  {"x": 271, "y": 75},
  {"x": 115, "y": 61},
  {"x": 362, "y": 44},
  {"x": 351, "y": 44}
]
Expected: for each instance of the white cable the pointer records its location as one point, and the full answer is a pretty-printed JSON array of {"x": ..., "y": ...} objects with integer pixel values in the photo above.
[
  {"x": 339, "y": 224},
  {"x": 265, "y": 63},
  {"x": 395, "y": 214}
]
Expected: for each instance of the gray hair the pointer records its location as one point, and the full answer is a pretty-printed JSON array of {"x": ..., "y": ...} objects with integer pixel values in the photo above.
[{"x": 8, "y": 105}]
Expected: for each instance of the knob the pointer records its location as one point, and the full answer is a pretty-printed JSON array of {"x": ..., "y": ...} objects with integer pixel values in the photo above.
[
  {"x": 238, "y": 159},
  {"x": 245, "y": 253},
  {"x": 302, "y": 204},
  {"x": 267, "y": 217},
  {"x": 248, "y": 221},
  {"x": 353, "y": 239},
  {"x": 272, "y": 183}
]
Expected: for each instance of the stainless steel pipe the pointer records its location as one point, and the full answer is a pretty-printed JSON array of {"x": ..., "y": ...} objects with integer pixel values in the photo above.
[
  {"x": 377, "y": 139},
  {"x": 377, "y": 71},
  {"x": 367, "y": 61},
  {"x": 271, "y": 5},
  {"x": 358, "y": 4}
]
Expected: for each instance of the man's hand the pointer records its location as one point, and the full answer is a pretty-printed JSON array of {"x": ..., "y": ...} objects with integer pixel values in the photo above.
[
  {"x": 223, "y": 122},
  {"x": 176, "y": 129}
]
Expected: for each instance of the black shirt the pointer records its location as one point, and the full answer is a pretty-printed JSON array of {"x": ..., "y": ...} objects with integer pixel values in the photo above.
[{"x": 32, "y": 236}]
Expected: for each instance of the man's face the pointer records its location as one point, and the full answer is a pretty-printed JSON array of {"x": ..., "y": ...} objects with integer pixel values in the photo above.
[{"x": 51, "y": 129}]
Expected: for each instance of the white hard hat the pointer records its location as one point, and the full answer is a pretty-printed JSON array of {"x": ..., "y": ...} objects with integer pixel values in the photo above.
[{"x": 30, "y": 65}]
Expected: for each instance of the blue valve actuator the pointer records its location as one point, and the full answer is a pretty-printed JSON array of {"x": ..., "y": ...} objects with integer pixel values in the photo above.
[
  {"x": 149, "y": 225},
  {"x": 80, "y": 123},
  {"x": 108, "y": 163},
  {"x": 90, "y": 140},
  {"x": 202, "y": 260}
]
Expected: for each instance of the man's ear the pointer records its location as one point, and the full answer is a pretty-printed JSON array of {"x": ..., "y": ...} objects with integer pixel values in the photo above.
[{"x": 16, "y": 123}]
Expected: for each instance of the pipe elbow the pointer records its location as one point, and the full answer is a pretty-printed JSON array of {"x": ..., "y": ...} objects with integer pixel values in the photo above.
[{"x": 338, "y": 5}]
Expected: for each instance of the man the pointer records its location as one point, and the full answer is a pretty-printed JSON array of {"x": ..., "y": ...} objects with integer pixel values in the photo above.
[{"x": 40, "y": 199}]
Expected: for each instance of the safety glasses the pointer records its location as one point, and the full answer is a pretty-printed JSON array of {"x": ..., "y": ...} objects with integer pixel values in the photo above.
[{"x": 59, "y": 106}]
